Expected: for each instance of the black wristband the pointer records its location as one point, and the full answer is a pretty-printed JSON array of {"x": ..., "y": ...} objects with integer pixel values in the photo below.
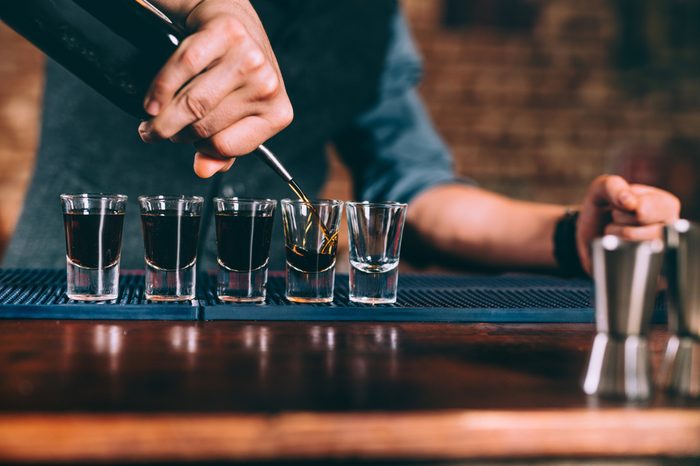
[{"x": 565, "y": 250}]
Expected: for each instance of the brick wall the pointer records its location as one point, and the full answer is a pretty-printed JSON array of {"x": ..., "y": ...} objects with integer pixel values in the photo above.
[
  {"x": 20, "y": 98},
  {"x": 537, "y": 113}
]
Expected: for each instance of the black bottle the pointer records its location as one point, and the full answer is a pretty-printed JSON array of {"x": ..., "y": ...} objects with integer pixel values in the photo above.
[{"x": 115, "y": 46}]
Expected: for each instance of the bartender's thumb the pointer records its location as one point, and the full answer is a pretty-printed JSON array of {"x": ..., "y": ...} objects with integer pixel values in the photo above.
[
  {"x": 607, "y": 193},
  {"x": 612, "y": 191},
  {"x": 206, "y": 166}
]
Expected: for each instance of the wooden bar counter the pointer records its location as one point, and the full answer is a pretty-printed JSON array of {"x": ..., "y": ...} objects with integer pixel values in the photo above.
[{"x": 219, "y": 391}]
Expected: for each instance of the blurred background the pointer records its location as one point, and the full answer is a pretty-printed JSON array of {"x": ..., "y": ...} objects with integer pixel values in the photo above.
[{"x": 535, "y": 97}]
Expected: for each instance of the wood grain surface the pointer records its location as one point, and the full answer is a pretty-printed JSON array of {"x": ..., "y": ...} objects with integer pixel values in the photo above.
[
  {"x": 296, "y": 436},
  {"x": 159, "y": 391}
]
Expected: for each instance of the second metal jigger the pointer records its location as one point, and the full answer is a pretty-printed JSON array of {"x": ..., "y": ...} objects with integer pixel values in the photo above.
[
  {"x": 681, "y": 367},
  {"x": 626, "y": 275}
]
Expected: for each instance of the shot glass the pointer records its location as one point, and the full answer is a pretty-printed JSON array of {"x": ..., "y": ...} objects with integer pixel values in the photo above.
[
  {"x": 375, "y": 231},
  {"x": 243, "y": 233},
  {"x": 93, "y": 224},
  {"x": 170, "y": 234},
  {"x": 311, "y": 240}
]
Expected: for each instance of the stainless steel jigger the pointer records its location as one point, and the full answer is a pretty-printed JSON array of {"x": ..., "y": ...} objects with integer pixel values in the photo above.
[
  {"x": 680, "y": 372},
  {"x": 626, "y": 275}
]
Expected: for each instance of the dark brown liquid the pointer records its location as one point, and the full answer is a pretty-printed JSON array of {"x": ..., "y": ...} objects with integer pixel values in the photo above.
[
  {"x": 92, "y": 239},
  {"x": 170, "y": 239},
  {"x": 309, "y": 261},
  {"x": 330, "y": 239},
  {"x": 243, "y": 241}
]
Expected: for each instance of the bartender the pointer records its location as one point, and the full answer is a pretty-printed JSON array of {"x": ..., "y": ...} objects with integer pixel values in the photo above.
[{"x": 349, "y": 69}]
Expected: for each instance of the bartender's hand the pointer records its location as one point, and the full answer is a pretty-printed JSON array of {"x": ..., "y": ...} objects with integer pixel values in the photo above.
[
  {"x": 631, "y": 211},
  {"x": 222, "y": 89}
]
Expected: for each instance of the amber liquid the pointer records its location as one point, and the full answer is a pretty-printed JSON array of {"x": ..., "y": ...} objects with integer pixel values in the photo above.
[
  {"x": 330, "y": 239},
  {"x": 309, "y": 261}
]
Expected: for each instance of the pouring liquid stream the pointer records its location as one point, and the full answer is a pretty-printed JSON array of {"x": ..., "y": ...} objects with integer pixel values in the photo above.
[{"x": 329, "y": 239}]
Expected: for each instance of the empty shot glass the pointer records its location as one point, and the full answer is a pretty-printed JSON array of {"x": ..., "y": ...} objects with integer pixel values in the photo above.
[
  {"x": 375, "y": 230},
  {"x": 243, "y": 233},
  {"x": 93, "y": 225},
  {"x": 311, "y": 240},
  {"x": 170, "y": 233}
]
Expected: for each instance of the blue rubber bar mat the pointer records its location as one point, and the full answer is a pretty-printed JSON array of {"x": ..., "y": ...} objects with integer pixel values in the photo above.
[
  {"x": 430, "y": 298},
  {"x": 40, "y": 294}
]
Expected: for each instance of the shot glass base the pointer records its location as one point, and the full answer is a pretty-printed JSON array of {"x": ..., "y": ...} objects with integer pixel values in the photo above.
[
  {"x": 366, "y": 300},
  {"x": 85, "y": 284},
  {"x": 233, "y": 299},
  {"x": 170, "y": 285},
  {"x": 310, "y": 288},
  {"x": 241, "y": 287},
  {"x": 373, "y": 287},
  {"x": 92, "y": 297},
  {"x": 168, "y": 299},
  {"x": 298, "y": 300}
]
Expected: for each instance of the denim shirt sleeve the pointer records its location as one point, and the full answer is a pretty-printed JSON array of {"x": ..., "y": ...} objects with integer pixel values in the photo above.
[{"x": 393, "y": 151}]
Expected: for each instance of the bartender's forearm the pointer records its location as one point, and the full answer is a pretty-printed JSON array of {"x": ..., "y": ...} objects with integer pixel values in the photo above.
[{"x": 480, "y": 226}]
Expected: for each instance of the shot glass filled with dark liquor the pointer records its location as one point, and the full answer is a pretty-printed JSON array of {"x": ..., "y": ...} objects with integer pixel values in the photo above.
[
  {"x": 311, "y": 240},
  {"x": 170, "y": 233},
  {"x": 93, "y": 225},
  {"x": 243, "y": 233}
]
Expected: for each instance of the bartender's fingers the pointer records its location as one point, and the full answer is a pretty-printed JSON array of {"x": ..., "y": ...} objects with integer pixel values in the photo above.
[
  {"x": 236, "y": 106},
  {"x": 232, "y": 109},
  {"x": 655, "y": 205},
  {"x": 635, "y": 233},
  {"x": 612, "y": 191},
  {"x": 206, "y": 166},
  {"x": 228, "y": 165},
  {"x": 239, "y": 139},
  {"x": 606, "y": 193},
  {"x": 622, "y": 217},
  {"x": 194, "y": 54},
  {"x": 249, "y": 75}
]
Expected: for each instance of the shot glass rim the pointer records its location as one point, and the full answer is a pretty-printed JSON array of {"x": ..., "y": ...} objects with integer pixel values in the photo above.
[
  {"x": 168, "y": 197},
  {"x": 376, "y": 204},
  {"x": 115, "y": 197},
  {"x": 313, "y": 202},
  {"x": 244, "y": 200}
]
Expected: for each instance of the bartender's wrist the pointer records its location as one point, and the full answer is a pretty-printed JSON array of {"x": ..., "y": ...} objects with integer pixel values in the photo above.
[
  {"x": 206, "y": 10},
  {"x": 565, "y": 244}
]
